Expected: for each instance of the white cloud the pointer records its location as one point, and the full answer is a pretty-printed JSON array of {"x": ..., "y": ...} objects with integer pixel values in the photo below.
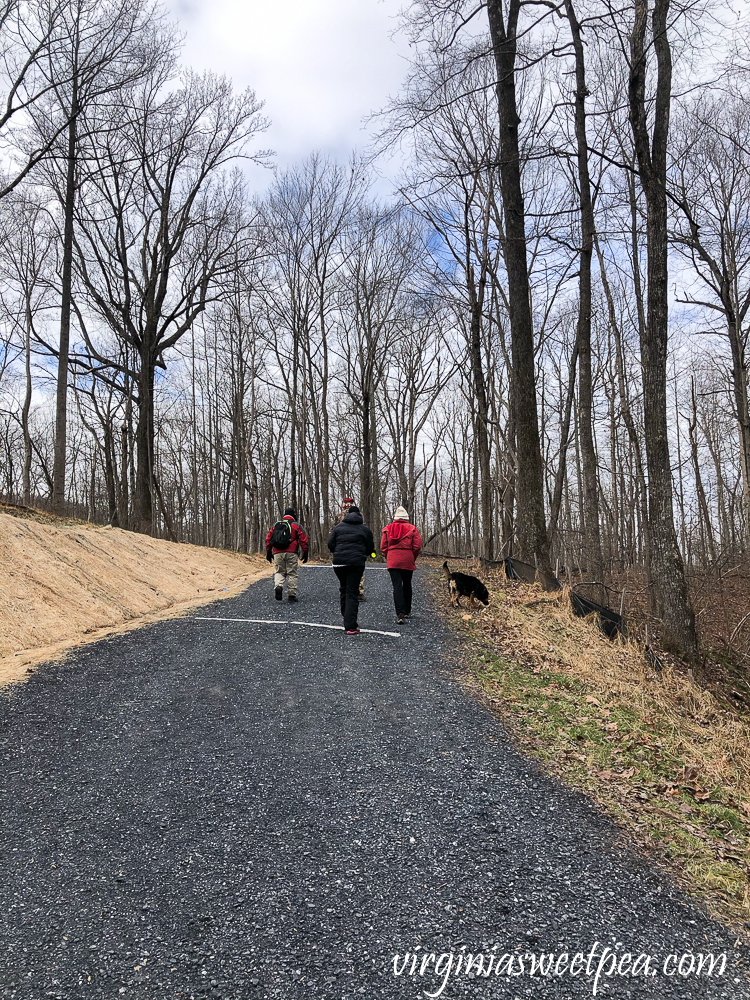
[{"x": 321, "y": 66}]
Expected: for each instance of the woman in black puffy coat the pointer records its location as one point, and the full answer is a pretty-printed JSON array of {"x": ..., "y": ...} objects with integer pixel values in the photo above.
[{"x": 351, "y": 543}]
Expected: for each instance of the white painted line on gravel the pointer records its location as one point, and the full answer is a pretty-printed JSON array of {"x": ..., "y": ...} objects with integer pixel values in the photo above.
[{"x": 274, "y": 621}]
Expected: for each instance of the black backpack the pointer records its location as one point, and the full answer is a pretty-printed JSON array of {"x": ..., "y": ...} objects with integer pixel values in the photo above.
[{"x": 281, "y": 535}]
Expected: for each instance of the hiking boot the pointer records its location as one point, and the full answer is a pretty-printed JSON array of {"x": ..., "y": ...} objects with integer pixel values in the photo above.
[
  {"x": 292, "y": 598},
  {"x": 278, "y": 593},
  {"x": 401, "y": 619}
]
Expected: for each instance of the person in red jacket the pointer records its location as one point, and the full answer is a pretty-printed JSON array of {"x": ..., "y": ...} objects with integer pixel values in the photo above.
[
  {"x": 283, "y": 553},
  {"x": 401, "y": 544}
]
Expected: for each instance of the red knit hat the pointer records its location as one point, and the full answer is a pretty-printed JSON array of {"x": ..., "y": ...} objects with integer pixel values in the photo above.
[{"x": 348, "y": 500}]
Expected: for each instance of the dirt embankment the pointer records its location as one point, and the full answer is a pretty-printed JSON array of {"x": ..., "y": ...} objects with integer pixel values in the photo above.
[{"x": 63, "y": 584}]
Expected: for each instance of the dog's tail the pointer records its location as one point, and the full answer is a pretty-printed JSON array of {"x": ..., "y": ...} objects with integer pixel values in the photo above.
[{"x": 446, "y": 570}]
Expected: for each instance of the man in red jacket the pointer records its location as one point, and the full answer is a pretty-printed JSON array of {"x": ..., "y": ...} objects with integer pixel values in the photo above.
[
  {"x": 401, "y": 544},
  {"x": 283, "y": 543}
]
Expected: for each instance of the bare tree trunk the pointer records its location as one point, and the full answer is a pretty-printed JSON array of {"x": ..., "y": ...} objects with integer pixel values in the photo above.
[
  {"x": 703, "y": 514},
  {"x": 530, "y": 521},
  {"x": 592, "y": 541},
  {"x": 366, "y": 474},
  {"x": 375, "y": 484},
  {"x": 509, "y": 491},
  {"x": 562, "y": 461},
  {"x": 617, "y": 533},
  {"x": 740, "y": 389},
  {"x": 61, "y": 402},
  {"x": 482, "y": 423},
  {"x": 110, "y": 474},
  {"x": 27, "y": 449},
  {"x": 124, "y": 510},
  {"x": 163, "y": 506},
  {"x": 91, "y": 515},
  {"x": 680, "y": 476},
  {"x": 144, "y": 507},
  {"x": 629, "y": 422},
  {"x": 293, "y": 441},
  {"x": 678, "y": 619}
]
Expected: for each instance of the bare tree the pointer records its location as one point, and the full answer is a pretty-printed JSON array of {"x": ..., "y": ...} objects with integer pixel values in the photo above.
[
  {"x": 27, "y": 255},
  {"x": 711, "y": 190},
  {"x": 101, "y": 48},
  {"x": 306, "y": 217},
  {"x": 531, "y": 526},
  {"x": 160, "y": 231},
  {"x": 382, "y": 257},
  {"x": 592, "y": 541},
  {"x": 31, "y": 38},
  {"x": 651, "y": 149},
  {"x": 417, "y": 372},
  {"x": 443, "y": 20}
]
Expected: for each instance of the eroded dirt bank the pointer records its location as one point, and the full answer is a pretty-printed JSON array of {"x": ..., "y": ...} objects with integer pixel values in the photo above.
[{"x": 61, "y": 585}]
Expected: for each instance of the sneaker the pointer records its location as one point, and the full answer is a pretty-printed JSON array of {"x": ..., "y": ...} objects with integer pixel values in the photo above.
[
  {"x": 292, "y": 598},
  {"x": 278, "y": 593},
  {"x": 401, "y": 619},
  {"x": 353, "y": 631}
]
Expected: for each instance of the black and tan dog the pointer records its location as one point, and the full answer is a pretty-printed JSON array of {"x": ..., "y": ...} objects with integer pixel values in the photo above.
[{"x": 463, "y": 585}]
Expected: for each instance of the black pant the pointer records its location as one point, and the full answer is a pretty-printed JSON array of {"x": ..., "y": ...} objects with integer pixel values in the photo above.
[
  {"x": 349, "y": 577},
  {"x": 401, "y": 580}
]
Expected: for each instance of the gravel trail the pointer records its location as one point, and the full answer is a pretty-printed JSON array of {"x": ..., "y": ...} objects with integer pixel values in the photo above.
[{"x": 238, "y": 810}]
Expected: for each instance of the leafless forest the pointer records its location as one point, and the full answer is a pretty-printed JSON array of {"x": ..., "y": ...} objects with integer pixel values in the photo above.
[{"x": 538, "y": 344}]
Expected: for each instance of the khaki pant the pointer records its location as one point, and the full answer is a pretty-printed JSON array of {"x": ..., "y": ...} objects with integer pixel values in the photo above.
[{"x": 285, "y": 568}]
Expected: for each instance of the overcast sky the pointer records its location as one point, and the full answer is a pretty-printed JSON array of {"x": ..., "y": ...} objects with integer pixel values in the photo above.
[{"x": 320, "y": 65}]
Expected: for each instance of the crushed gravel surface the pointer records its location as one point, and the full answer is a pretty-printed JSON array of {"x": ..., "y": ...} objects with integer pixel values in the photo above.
[{"x": 239, "y": 810}]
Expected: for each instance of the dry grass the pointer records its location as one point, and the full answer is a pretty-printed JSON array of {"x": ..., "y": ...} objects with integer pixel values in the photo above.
[
  {"x": 721, "y": 601},
  {"x": 670, "y": 761},
  {"x": 64, "y": 583}
]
